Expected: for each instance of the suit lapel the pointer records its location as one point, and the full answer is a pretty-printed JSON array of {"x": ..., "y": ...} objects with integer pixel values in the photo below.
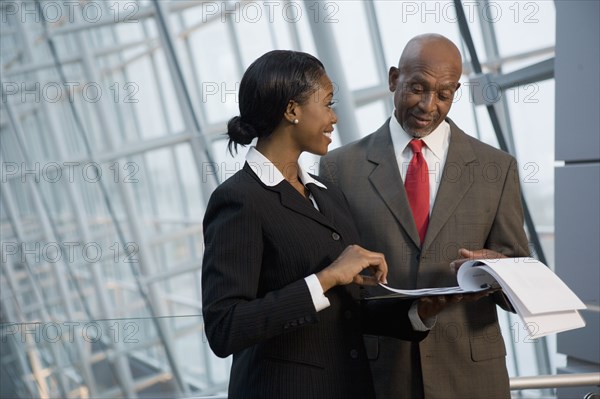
[
  {"x": 294, "y": 201},
  {"x": 455, "y": 182},
  {"x": 326, "y": 207},
  {"x": 387, "y": 181}
]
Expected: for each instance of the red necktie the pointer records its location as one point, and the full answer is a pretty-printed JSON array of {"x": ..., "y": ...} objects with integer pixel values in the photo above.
[{"x": 417, "y": 187}]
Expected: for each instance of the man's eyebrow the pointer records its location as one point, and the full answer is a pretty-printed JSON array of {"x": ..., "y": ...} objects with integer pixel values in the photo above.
[
  {"x": 437, "y": 86},
  {"x": 417, "y": 79},
  {"x": 448, "y": 86}
]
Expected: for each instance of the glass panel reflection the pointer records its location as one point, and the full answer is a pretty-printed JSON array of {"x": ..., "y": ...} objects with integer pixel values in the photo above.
[{"x": 110, "y": 358}]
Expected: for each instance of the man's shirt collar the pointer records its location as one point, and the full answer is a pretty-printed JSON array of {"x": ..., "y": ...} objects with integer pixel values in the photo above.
[{"x": 434, "y": 140}]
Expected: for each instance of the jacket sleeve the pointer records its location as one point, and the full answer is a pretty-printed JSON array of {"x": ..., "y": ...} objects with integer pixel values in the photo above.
[
  {"x": 507, "y": 235},
  {"x": 389, "y": 317},
  {"x": 234, "y": 316}
]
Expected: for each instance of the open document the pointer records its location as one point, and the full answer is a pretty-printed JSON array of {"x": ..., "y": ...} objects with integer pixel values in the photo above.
[{"x": 542, "y": 300}]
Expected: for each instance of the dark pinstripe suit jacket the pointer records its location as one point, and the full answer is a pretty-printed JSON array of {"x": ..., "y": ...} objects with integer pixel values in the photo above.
[{"x": 260, "y": 244}]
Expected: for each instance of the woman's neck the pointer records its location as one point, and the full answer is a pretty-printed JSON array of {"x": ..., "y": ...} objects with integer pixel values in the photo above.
[{"x": 282, "y": 156}]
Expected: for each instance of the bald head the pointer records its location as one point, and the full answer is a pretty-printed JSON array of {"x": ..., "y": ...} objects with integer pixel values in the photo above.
[
  {"x": 432, "y": 47},
  {"x": 424, "y": 83}
]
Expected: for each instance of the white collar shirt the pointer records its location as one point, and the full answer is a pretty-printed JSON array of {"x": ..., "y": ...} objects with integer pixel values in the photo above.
[{"x": 270, "y": 176}]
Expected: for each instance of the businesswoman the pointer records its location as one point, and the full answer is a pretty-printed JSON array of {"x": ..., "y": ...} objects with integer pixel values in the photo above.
[{"x": 282, "y": 267}]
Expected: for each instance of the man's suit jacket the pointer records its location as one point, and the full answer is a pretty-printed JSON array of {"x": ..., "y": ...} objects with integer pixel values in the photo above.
[
  {"x": 261, "y": 242},
  {"x": 477, "y": 206}
]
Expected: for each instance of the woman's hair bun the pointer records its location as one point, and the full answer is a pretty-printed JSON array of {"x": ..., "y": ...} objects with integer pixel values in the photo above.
[{"x": 240, "y": 132}]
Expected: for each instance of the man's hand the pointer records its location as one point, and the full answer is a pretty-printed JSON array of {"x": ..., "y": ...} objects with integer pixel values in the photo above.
[
  {"x": 430, "y": 306},
  {"x": 466, "y": 255}
]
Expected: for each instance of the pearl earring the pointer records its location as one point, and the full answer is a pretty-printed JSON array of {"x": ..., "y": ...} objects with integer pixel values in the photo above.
[{"x": 295, "y": 121}]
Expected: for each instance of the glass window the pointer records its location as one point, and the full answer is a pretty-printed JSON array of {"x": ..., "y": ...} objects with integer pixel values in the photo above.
[
  {"x": 399, "y": 21},
  {"x": 534, "y": 142},
  {"x": 146, "y": 214},
  {"x": 523, "y": 26},
  {"x": 348, "y": 22}
]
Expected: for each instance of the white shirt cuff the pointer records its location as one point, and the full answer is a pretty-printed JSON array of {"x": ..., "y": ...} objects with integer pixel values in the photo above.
[
  {"x": 415, "y": 320},
  {"x": 316, "y": 292}
]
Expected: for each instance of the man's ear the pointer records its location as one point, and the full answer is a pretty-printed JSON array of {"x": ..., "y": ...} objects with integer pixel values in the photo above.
[
  {"x": 393, "y": 76},
  {"x": 292, "y": 111}
]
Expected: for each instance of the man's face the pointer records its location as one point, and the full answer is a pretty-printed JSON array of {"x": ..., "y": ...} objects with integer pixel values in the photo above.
[{"x": 423, "y": 91}]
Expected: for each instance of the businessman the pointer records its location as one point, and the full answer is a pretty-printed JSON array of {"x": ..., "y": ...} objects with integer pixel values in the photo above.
[{"x": 427, "y": 195}]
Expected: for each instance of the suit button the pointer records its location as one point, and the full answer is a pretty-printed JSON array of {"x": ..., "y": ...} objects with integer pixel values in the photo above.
[
  {"x": 335, "y": 236},
  {"x": 348, "y": 314},
  {"x": 354, "y": 354}
]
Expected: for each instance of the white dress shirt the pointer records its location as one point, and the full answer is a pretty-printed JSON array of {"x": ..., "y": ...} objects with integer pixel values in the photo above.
[{"x": 270, "y": 176}]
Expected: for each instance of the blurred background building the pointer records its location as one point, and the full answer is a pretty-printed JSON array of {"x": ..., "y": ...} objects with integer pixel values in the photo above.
[{"x": 112, "y": 140}]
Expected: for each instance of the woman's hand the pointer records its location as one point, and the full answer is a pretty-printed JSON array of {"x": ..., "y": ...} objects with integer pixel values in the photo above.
[{"x": 347, "y": 267}]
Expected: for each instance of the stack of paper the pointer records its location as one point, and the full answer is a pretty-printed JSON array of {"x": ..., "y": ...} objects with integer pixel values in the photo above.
[
  {"x": 542, "y": 300},
  {"x": 539, "y": 296}
]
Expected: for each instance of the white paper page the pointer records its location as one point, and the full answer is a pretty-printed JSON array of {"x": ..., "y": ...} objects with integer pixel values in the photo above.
[
  {"x": 537, "y": 287},
  {"x": 548, "y": 323},
  {"x": 473, "y": 277},
  {"x": 430, "y": 291}
]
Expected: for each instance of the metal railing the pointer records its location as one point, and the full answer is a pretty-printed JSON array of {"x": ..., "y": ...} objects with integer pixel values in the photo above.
[
  {"x": 558, "y": 381},
  {"x": 534, "y": 382}
]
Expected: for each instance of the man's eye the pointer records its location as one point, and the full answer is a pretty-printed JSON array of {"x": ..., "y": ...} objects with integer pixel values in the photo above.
[
  {"x": 416, "y": 89},
  {"x": 445, "y": 95}
]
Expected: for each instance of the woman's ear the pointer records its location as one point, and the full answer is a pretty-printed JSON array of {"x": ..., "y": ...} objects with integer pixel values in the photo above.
[{"x": 292, "y": 112}]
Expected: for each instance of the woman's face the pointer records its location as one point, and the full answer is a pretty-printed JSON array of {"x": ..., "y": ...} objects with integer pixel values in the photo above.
[{"x": 316, "y": 119}]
